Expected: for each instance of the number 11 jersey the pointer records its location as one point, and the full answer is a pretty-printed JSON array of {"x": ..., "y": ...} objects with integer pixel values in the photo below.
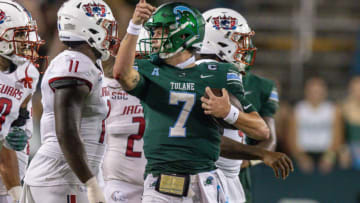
[{"x": 49, "y": 167}]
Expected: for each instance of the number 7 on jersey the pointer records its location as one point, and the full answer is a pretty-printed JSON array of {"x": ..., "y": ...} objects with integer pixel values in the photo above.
[{"x": 179, "y": 129}]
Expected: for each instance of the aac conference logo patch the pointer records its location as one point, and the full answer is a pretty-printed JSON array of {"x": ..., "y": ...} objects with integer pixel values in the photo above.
[
  {"x": 2, "y": 16},
  {"x": 94, "y": 9}
]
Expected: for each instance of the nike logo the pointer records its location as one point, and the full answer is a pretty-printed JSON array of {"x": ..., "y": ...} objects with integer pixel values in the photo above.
[
  {"x": 247, "y": 93},
  {"x": 248, "y": 106},
  {"x": 205, "y": 76}
]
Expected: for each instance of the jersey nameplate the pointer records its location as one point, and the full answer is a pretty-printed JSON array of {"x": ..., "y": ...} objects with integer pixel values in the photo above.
[{"x": 184, "y": 86}]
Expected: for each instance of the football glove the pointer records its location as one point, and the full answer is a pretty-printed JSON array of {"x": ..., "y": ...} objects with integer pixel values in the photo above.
[
  {"x": 16, "y": 139},
  {"x": 94, "y": 192},
  {"x": 15, "y": 193}
]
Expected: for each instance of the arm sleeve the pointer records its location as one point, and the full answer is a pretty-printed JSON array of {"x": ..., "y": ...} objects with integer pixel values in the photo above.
[
  {"x": 271, "y": 104},
  {"x": 141, "y": 88},
  {"x": 235, "y": 86}
]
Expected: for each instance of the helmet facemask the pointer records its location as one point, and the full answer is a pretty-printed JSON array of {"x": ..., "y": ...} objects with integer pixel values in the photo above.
[
  {"x": 168, "y": 43},
  {"x": 111, "y": 41},
  {"x": 245, "y": 53},
  {"x": 22, "y": 41}
]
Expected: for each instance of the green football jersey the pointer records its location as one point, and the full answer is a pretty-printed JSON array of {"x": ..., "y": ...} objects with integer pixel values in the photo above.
[
  {"x": 179, "y": 137},
  {"x": 262, "y": 93}
]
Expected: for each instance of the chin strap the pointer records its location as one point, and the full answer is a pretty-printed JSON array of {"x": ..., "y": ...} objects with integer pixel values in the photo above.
[
  {"x": 15, "y": 59},
  {"x": 183, "y": 65}
]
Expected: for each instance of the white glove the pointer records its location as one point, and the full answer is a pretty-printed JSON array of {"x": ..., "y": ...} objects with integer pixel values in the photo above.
[
  {"x": 15, "y": 193},
  {"x": 94, "y": 193}
]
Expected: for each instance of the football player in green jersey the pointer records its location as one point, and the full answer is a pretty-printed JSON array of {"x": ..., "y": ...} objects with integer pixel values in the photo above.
[
  {"x": 228, "y": 39},
  {"x": 181, "y": 143}
]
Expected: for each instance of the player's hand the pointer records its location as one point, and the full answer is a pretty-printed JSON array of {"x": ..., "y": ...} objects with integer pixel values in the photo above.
[
  {"x": 142, "y": 13},
  {"x": 94, "y": 192},
  {"x": 214, "y": 105},
  {"x": 279, "y": 162},
  {"x": 16, "y": 139}
]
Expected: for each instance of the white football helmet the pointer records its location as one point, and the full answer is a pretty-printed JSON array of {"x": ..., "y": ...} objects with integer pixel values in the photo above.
[
  {"x": 91, "y": 21},
  {"x": 228, "y": 35},
  {"x": 19, "y": 40}
]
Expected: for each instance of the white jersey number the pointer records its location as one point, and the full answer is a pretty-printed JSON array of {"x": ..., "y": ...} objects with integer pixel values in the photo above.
[
  {"x": 5, "y": 108},
  {"x": 179, "y": 129}
]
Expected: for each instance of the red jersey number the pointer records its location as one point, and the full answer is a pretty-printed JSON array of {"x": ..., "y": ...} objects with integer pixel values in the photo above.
[
  {"x": 131, "y": 139},
  {"x": 5, "y": 108}
]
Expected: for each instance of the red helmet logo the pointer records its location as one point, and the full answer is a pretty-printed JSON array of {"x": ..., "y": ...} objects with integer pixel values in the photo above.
[
  {"x": 2, "y": 16},
  {"x": 224, "y": 22},
  {"x": 95, "y": 9}
]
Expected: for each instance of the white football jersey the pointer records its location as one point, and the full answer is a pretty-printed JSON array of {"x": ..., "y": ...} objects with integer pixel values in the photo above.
[
  {"x": 49, "y": 166},
  {"x": 231, "y": 167},
  {"x": 124, "y": 157},
  {"x": 13, "y": 92},
  {"x": 22, "y": 156}
]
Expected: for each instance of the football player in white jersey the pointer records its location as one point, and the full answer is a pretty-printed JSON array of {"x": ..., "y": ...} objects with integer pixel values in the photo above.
[
  {"x": 19, "y": 43},
  {"x": 73, "y": 121},
  {"x": 228, "y": 38},
  {"x": 22, "y": 156},
  {"x": 124, "y": 161}
]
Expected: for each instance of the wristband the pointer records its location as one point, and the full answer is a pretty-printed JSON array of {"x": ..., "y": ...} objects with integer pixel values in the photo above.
[
  {"x": 232, "y": 116},
  {"x": 133, "y": 29},
  {"x": 15, "y": 192},
  {"x": 91, "y": 182},
  {"x": 255, "y": 162}
]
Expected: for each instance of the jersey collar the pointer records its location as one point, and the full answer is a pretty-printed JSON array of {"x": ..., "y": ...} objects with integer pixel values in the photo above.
[{"x": 186, "y": 63}]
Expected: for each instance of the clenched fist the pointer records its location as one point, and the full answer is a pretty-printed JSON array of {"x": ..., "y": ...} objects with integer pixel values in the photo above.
[{"x": 142, "y": 13}]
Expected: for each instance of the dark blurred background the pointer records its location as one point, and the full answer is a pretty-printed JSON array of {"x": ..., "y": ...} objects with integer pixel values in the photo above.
[{"x": 311, "y": 48}]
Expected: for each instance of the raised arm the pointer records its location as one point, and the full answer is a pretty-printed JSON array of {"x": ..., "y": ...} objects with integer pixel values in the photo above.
[
  {"x": 123, "y": 71},
  {"x": 250, "y": 123}
]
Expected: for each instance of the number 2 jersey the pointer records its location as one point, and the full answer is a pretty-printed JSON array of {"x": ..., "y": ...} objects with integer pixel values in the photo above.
[
  {"x": 124, "y": 158},
  {"x": 13, "y": 91},
  {"x": 179, "y": 137},
  {"x": 49, "y": 166}
]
